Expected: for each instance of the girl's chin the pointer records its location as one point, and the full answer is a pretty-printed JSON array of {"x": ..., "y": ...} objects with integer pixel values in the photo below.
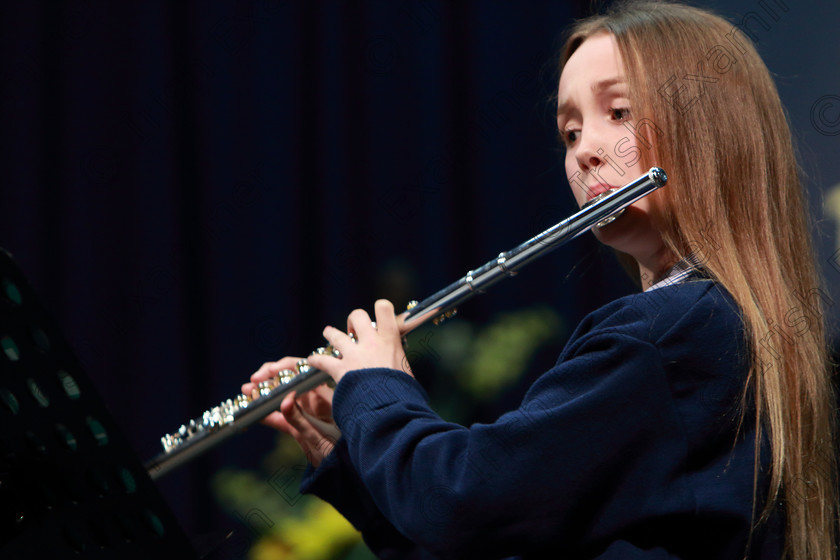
[{"x": 627, "y": 231}]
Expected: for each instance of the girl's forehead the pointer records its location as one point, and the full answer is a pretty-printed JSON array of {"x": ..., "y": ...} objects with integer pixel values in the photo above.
[
  {"x": 594, "y": 57},
  {"x": 596, "y": 63}
]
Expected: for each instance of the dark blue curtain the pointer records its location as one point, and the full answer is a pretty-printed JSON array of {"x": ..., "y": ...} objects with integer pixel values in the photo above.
[{"x": 195, "y": 188}]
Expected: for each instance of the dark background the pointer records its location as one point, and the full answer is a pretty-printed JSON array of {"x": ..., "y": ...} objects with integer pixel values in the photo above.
[{"x": 195, "y": 188}]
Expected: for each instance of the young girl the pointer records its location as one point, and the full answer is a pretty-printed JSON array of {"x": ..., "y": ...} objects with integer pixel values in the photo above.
[{"x": 691, "y": 420}]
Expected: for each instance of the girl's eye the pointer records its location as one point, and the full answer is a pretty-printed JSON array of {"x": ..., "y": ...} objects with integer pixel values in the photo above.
[
  {"x": 569, "y": 136},
  {"x": 621, "y": 114}
]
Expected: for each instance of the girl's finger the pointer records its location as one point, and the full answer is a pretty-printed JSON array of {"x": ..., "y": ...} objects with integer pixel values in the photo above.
[
  {"x": 386, "y": 321},
  {"x": 278, "y": 422},
  {"x": 336, "y": 339},
  {"x": 359, "y": 322},
  {"x": 267, "y": 371}
]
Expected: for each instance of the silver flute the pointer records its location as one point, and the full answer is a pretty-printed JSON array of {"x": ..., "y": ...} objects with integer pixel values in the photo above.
[{"x": 235, "y": 415}]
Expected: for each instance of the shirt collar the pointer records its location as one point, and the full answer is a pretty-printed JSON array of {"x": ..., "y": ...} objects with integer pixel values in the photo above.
[{"x": 679, "y": 272}]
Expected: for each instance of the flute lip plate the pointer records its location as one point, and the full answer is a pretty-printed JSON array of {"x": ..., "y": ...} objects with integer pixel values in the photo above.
[
  {"x": 598, "y": 197},
  {"x": 609, "y": 219}
]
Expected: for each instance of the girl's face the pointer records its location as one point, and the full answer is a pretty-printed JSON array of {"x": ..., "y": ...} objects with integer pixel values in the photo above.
[{"x": 595, "y": 121}]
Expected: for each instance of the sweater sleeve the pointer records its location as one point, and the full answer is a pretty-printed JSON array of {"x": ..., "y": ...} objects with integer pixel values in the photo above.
[
  {"x": 579, "y": 459},
  {"x": 336, "y": 481}
]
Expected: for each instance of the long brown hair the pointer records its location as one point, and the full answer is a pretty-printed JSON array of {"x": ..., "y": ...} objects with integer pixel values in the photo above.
[{"x": 705, "y": 108}]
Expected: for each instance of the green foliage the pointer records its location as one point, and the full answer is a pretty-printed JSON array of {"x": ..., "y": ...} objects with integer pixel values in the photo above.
[
  {"x": 500, "y": 352},
  {"x": 284, "y": 523}
]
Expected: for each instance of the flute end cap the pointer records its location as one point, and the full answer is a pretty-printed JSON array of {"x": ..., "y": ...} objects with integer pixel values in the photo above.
[{"x": 658, "y": 176}]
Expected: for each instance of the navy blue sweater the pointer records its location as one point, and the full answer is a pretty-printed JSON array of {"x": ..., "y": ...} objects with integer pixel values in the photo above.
[{"x": 627, "y": 448}]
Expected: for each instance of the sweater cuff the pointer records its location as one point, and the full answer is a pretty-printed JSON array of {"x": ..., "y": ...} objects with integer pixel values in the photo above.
[{"x": 362, "y": 392}]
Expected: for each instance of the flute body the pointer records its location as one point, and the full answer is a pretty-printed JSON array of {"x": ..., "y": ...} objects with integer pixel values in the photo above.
[{"x": 235, "y": 415}]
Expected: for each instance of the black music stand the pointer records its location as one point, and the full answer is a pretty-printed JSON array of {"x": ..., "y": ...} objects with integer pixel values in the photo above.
[{"x": 70, "y": 486}]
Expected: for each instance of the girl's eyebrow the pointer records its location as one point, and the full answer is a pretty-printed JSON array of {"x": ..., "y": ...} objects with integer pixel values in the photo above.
[
  {"x": 606, "y": 84},
  {"x": 597, "y": 88},
  {"x": 562, "y": 108}
]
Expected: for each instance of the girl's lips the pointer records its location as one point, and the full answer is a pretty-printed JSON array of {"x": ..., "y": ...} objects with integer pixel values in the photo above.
[
  {"x": 599, "y": 189},
  {"x": 597, "y": 195}
]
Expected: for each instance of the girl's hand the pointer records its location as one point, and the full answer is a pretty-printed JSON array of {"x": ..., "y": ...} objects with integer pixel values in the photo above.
[
  {"x": 379, "y": 346},
  {"x": 307, "y": 417}
]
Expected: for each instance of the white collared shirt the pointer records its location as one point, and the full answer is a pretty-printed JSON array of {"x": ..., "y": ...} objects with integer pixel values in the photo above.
[{"x": 678, "y": 272}]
